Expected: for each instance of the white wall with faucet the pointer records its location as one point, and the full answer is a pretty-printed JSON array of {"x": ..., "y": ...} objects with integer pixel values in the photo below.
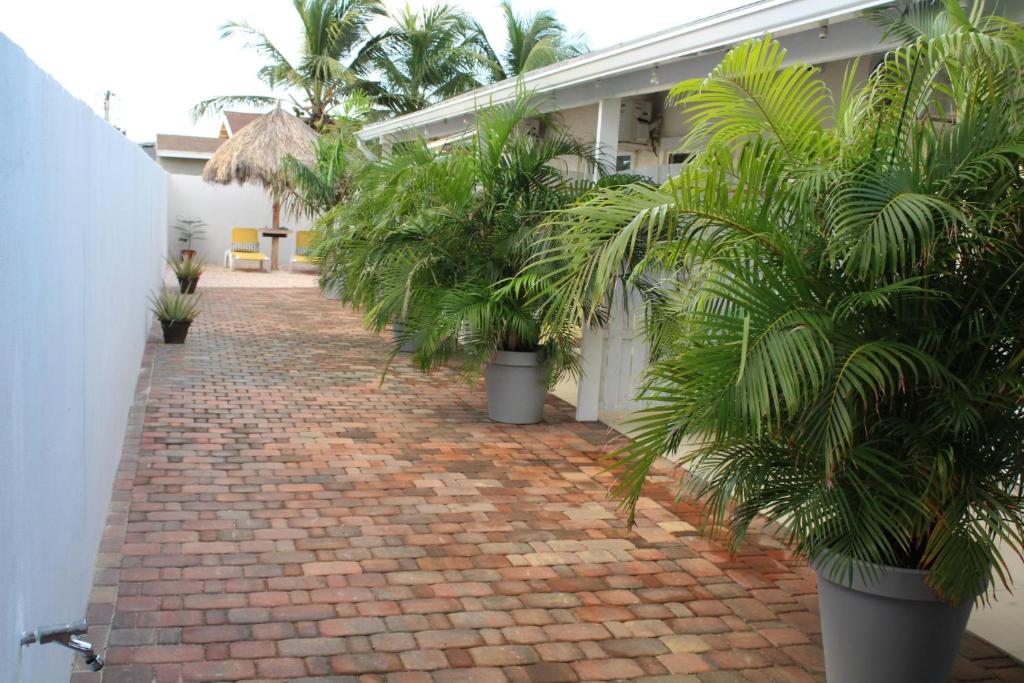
[{"x": 83, "y": 229}]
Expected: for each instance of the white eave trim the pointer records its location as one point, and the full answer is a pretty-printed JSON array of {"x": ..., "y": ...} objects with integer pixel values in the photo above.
[
  {"x": 441, "y": 142},
  {"x": 728, "y": 28},
  {"x": 172, "y": 154}
]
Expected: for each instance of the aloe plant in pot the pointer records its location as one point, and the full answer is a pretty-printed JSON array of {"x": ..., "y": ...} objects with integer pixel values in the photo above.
[
  {"x": 175, "y": 312},
  {"x": 844, "y": 344},
  {"x": 188, "y": 271}
]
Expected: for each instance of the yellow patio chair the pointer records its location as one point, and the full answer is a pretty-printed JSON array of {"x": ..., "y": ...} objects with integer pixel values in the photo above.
[
  {"x": 303, "y": 240},
  {"x": 245, "y": 246}
]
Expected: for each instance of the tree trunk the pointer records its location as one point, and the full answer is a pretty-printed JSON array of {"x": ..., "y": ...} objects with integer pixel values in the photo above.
[{"x": 277, "y": 213}]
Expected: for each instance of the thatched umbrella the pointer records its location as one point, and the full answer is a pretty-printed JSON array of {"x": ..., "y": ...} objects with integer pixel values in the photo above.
[{"x": 256, "y": 154}]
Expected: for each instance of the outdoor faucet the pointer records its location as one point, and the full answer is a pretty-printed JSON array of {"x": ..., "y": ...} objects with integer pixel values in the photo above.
[{"x": 64, "y": 634}]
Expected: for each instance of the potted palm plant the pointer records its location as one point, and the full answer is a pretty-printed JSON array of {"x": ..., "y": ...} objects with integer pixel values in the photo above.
[
  {"x": 435, "y": 244},
  {"x": 188, "y": 271},
  {"x": 316, "y": 190},
  {"x": 835, "y": 301},
  {"x": 189, "y": 231},
  {"x": 362, "y": 248},
  {"x": 175, "y": 312}
]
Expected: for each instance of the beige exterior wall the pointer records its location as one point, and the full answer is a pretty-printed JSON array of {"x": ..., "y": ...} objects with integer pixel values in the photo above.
[
  {"x": 582, "y": 124},
  {"x": 182, "y": 166},
  {"x": 582, "y": 121}
]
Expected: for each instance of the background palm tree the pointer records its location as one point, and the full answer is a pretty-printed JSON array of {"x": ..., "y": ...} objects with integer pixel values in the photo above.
[
  {"x": 335, "y": 44},
  {"x": 532, "y": 41},
  {"x": 427, "y": 56},
  {"x": 315, "y": 188},
  {"x": 435, "y": 240}
]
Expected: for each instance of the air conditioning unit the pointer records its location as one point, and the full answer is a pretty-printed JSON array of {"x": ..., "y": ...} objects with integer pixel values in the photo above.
[{"x": 635, "y": 117}]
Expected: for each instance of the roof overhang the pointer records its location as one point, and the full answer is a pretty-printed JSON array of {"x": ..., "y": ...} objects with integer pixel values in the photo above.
[
  {"x": 441, "y": 143},
  {"x": 174, "y": 154},
  {"x": 708, "y": 35}
]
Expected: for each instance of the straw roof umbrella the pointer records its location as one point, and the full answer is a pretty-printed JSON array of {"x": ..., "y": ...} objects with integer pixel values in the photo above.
[{"x": 256, "y": 154}]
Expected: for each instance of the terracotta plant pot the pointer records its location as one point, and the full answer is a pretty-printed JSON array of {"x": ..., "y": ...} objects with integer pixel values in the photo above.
[
  {"x": 188, "y": 285},
  {"x": 175, "y": 331},
  {"x": 188, "y": 254}
]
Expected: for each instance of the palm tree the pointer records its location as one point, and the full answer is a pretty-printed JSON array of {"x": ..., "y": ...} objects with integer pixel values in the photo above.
[
  {"x": 425, "y": 57},
  {"x": 435, "y": 240},
  {"x": 335, "y": 42},
  {"x": 532, "y": 41},
  {"x": 315, "y": 189},
  {"x": 835, "y": 296},
  {"x": 361, "y": 250}
]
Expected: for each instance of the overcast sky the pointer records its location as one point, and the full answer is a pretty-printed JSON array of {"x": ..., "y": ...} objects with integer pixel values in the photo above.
[{"x": 160, "y": 58}]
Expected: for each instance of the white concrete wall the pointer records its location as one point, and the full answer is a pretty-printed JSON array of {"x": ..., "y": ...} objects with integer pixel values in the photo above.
[
  {"x": 224, "y": 207},
  {"x": 82, "y": 237}
]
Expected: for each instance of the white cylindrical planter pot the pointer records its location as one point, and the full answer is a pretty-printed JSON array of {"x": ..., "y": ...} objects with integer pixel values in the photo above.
[
  {"x": 888, "y": 627},
  {"x": 515, "y": 387}
]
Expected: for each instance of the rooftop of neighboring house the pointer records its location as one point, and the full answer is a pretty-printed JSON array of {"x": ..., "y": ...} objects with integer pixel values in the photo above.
[
  {"x": 201, "y": 147},
  {"x": 234, "y": 121},
  {"x": 186, "y": 146}
]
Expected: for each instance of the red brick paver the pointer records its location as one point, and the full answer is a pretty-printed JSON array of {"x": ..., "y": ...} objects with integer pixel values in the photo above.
[{"x": 280, "y": 515}]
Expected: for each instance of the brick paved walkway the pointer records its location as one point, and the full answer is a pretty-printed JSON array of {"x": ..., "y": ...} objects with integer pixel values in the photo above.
[{"x": 280, "y": 516}]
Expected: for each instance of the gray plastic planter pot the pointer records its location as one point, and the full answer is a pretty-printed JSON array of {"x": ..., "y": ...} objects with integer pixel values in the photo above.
[
  {"x": 888, "y": 627},
  {"x": 515, "y": 388},
  {"x": 397, "y": 330},
  {"x": 332, "y": 293}
]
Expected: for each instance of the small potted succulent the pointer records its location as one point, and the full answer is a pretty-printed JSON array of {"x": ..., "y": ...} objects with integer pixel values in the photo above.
[
  {"x": 176, "y": 312},
  {"x": 189, "y": 230},
  {"x": 187, "y": 270}
]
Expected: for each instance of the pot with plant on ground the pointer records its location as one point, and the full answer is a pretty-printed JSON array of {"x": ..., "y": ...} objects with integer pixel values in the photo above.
[
  {"x": 188, "y": 272},
  {"x": 911, "y": 633},
  {"x": 440, "y": 240},
  {"x": 845, "y": 347},
  {"x": 189, "y": 231},
  {"x": 175, "y": 311},
  {"x": 516, "y": 387},
  {"x": 402, "y": 338},
  {"x": 331, "y": 291}
]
